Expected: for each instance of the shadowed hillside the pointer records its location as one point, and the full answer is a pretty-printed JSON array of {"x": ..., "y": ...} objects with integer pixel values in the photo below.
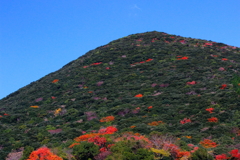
[{"x": 165, "y": 97}]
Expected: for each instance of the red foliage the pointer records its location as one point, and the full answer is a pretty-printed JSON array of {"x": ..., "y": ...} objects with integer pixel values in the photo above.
[
  {"x": 191, "y": 83},
  {"x": 214, "y": 55},
  {"x": 207, "y": 44},
  {"x": 138, "y": 95},
  {"x": 235, "y": 153},
  {"x": 182, "y": 41},
  {"x": 183, "y": 58},
  {"x": 148, "y": 60},
  {"x": 185, "y": 120},
  {"x": 221, "y": 157},
  {"x": 154, "y": 39},
  {"x": 103, "y": 149},
  {"x": 224, "y": 59},
  {"x": 108, "y": 130},
  {"x": 223, "y": 86},
  {"x": 213, "y": 119},
  {"x": 96, "y": 63},
  {"x": 150, "y": 107},
  {"x": 100, "y": 141},
  {"x": 210, "y": 110},
  {"x": 53, "y": 97}
]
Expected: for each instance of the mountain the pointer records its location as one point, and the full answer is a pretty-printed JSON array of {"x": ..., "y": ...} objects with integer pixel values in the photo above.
[{"x": 178, "y": 94}]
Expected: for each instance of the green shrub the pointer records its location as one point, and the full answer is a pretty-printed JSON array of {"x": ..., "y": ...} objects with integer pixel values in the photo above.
[
  {"x": 201, "y": 154},
  {"x": 27, "y": 151},
  {"x": 85, "y": 150}
]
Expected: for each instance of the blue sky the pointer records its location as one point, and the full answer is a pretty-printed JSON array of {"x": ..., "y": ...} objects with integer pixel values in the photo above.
[{"x": 38, "y": 37}]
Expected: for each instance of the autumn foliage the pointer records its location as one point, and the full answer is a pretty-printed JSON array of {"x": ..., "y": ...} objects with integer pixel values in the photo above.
[
  {"x": 155, "y": 123},
  {"x": 183, "y": 58},
  {"x": 185, "y": 120},
  {"x": 107, "y": 119},
  {"x": 207, "y": 143},
  {"x": 43, "y": 153},
  {"x": 55, "y": 80},
  {"x": 213, "y": 119},
  {"x": 210, "y": 110},
  {"x": 138, "y": 95},
  {"x": 223, "y": 86}
]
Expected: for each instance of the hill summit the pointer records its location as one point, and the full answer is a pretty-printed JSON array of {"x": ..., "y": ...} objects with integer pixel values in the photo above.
[{"x": 144, "y": 96}]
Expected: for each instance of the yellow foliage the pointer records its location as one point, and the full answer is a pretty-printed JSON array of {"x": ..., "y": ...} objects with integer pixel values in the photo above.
[
  {"x": 161, "y": 151},
  {"x": 57, "y": 111}
]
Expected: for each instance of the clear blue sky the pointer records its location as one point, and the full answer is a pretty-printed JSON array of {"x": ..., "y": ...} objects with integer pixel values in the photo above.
[{"x": 38, "y": 37}]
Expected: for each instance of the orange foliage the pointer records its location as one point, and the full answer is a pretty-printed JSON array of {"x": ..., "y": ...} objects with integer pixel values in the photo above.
[
  {"x": 182, "y": 154},
  {"x": 34, "y": 106},
  {"x": 96, "y": 138},
  {"x": 189, "y": 137},
  {"x": 155, "y": 123},
  {"x": 148, "y": 60},
  {"x": 107, "y": 119},
  {"x": 86, "y": 137},
  {"x": 55, "y": 80},
  {"x": 74, "y": 144},
  {"x": 207, "y": 143},
  {"x": 132, "y": 126},
  {"x": 43, "y": 153}
]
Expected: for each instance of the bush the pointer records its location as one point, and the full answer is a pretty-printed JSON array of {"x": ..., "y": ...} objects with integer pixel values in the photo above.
[
  {"x": 201, "y": 154},
  {"x": 85, "y": 150}
]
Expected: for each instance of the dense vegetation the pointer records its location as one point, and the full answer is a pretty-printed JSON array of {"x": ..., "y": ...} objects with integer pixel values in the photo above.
[{"x": 145, "y": 96}]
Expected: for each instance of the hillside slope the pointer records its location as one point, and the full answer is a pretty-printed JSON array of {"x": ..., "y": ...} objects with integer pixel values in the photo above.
[{"x": 147, "y": 82}]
